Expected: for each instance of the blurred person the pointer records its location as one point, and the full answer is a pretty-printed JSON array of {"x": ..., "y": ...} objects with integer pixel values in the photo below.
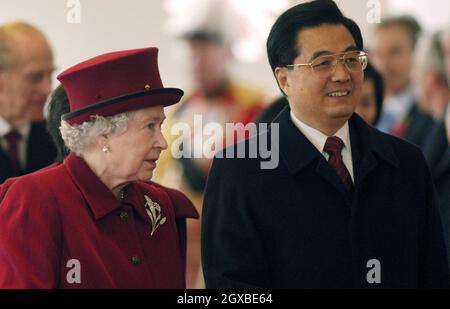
[
  {"x": 372, "y": 94},
  {"x": 347, "y": 206},
  {"x": 431, "y": 91},
  {"x": 392, "y": 53},
  {"x": 438, "y": 150},
  {"x": 57, "y": 106},
  {"x": 111, "y": 227},
  {"x": 26, "y": 66},
  {"x": 441, "y": 175},
  {"x": 217, "y": 98}
]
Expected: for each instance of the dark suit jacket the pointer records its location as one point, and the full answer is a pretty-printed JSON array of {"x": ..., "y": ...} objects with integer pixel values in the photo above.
[
  {"x": 296, "y": 227},
  {"x": 441, "y": 174},
  {"x": 40, "y": 152},
  {"x": 435, "y": 145},
  {"x": 420, "y": 125}
]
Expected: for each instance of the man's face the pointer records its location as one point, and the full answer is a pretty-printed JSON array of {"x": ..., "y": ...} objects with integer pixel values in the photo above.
[
  {"x": 322, "y": 101},
  {"x": 25, "y": 86},
  {"x": 392, "y": 56},
  {"x": 446, "y": 45},
  {"x": 208, "y": 64}
]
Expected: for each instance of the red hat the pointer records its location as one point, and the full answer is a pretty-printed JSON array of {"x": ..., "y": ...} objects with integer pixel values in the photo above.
[{"x": 115, "y": 83}]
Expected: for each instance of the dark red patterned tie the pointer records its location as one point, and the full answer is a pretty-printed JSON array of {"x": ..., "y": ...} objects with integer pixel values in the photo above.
[
  {"x": 333, "y": 147},
  {"x": 12, "y": 138}
]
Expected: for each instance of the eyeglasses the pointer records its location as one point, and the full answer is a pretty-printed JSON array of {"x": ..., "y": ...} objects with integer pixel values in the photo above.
[{"x": 354, "y": 61}]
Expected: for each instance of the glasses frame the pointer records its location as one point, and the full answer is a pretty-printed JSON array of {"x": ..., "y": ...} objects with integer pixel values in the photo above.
[{"x": 335, "y": 62}]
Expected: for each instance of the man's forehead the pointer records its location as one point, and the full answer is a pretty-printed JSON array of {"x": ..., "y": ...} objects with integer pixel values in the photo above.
[
  {"x": 325, "y": 39},
  {"x": 33, "y": 61},
  {"x": 389, "y": 34}
]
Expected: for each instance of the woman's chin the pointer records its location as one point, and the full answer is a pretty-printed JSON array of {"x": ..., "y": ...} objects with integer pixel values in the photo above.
[{"x": 145, "y": 175}]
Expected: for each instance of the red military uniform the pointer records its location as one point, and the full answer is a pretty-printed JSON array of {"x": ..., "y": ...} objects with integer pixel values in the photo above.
[{"x": 63, "y": 228}]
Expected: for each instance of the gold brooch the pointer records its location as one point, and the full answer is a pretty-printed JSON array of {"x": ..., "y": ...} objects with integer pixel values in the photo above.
[{"x": 154, "y": 212}]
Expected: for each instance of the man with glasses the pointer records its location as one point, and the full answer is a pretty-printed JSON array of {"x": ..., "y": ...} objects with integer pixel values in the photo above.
[{"x": 347, "y": 206}]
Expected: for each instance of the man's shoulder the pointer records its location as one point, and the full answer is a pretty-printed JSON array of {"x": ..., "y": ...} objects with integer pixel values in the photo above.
[
  {"x": 400, "y": 151},
  {"x": 399, "y": 145},
  {"x": 379, "y": 139},
  {"x": 245, "y": 152}
]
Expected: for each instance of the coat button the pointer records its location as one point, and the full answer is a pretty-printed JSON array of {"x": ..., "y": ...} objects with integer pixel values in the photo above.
[
  {"x": 135, "y": 260},
  {"x": 123, "y": 216}
]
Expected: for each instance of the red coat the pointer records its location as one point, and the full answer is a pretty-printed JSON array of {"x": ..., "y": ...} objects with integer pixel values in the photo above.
[{"x": 63, "y": 228}]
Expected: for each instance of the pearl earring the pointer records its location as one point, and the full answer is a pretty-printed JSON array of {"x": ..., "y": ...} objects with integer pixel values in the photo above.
[{"x": 105, "y": 149}]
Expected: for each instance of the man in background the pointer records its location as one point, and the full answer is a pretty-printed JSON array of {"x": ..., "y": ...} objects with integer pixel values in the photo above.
[
  {"x": 26, "y": 66},
  {"x": 392, "y": 54}
]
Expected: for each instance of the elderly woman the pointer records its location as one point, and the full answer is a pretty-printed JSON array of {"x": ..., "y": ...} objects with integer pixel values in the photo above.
[{"x": 96, "y": 220}]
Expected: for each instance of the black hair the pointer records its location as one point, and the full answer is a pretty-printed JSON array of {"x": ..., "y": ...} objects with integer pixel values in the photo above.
[
  {"x": 409, "y": 23},
  {"x": 57, "y": 106},
  {"x": 205, "y": 36},
  {"x": 372, "y": 74},
  {"x": 282, "y": 40}
]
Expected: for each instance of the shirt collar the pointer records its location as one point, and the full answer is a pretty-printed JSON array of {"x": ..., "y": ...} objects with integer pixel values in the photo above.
[
  {"x": 400, "y": 104},
  {"x": 317, "y": 138},
  {"x": 5, "y": 128}
]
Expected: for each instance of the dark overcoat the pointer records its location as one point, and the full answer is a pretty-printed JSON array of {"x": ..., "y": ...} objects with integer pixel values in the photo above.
[{"x": 295, "y": 226}]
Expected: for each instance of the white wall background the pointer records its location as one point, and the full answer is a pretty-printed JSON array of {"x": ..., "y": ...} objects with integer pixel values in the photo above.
[{"x": 113, "y": 25}]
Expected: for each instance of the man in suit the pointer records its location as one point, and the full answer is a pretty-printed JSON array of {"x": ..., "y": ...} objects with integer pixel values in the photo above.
[
  {"x": 441, "y": 175},
  {"x": 26, "y": 65},
  {"x": 392, "y": 52},
  {"x": 440, "y": 157},
  {"x": 347, "y": 206}
]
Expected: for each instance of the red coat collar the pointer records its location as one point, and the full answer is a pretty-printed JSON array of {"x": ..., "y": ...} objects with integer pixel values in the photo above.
[
  {"x": 102, "y": 201},
  {"x": 99, "y": 198}
]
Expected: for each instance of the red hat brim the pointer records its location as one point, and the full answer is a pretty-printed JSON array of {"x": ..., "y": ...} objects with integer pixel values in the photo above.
[{"x": 126, "y": 103}]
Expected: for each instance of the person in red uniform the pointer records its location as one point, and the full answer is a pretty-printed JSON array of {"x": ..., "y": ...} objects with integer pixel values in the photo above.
[{"x": 96, "y": 220}]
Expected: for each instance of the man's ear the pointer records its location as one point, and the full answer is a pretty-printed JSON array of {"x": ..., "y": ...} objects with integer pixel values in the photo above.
[{"x": 281, "y": 75}]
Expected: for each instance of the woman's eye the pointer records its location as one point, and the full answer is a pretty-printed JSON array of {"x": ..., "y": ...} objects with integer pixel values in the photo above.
[{"x": 151, "y": 126}]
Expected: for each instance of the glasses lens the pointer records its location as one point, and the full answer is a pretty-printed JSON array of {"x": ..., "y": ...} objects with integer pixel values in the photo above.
[
  {"x": 323, "y": 65},
  {"x": 355, "y": 61}
]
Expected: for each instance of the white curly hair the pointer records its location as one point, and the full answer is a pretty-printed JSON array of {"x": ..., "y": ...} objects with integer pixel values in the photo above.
[{"x": 78, "y": 138}]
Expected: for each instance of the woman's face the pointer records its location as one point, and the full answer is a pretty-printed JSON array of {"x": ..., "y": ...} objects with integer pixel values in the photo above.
[
  {"x": 132, "y": 155},
  {"x": 367, "y": 106}
]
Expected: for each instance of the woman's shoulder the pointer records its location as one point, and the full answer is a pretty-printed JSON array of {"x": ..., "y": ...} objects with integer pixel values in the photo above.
[
  {"x": 183, "y": 207},
  {"x": 35, "y": 183}
]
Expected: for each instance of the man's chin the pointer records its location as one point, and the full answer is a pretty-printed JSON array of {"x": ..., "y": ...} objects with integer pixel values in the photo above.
[{"x": 342, "y": 112}]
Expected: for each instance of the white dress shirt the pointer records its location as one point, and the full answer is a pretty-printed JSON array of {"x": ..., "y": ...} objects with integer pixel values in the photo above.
[
  {"x": 395, "y": 110},
  {"x": 318, "y": 139},
  {"x": 24, "y": 131}
]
